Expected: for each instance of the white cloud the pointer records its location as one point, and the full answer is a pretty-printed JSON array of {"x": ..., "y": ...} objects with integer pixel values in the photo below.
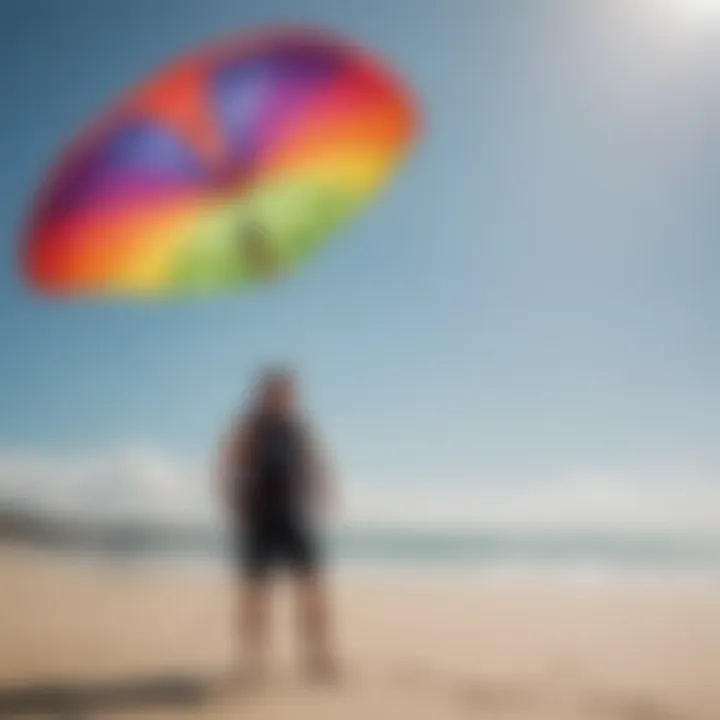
[
  {"x": 129, "y": 481},
  {"x": 588, "y": 500},
  {"x": 141, "y": 482}
]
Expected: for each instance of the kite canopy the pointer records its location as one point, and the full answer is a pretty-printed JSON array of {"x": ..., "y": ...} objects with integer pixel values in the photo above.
[{"x": 226, "y": 169}]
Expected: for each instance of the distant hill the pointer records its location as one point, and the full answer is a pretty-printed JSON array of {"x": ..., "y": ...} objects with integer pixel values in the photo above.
[{"x": 19, "y": 525}]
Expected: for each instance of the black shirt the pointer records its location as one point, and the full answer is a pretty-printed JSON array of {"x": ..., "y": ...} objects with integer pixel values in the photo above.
[{"x": 276, "y": 479}]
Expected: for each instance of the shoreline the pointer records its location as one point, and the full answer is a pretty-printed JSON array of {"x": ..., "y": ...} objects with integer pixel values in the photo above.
[{"x": 585, "y": 574}]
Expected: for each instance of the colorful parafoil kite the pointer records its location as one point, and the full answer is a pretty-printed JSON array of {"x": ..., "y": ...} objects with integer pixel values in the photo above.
[{"x": 226, "y": 169}]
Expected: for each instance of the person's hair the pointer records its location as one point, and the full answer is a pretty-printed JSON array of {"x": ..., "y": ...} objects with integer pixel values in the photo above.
[{"x": 270, "y": 379}]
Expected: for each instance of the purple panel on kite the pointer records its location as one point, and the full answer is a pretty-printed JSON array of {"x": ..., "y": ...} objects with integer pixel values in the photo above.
[
  {"x": 254, "y": 98},
  {"x": 134, "y": 162}
]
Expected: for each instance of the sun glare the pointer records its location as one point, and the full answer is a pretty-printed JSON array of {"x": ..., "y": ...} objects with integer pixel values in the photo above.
[{"x": 699, "y": 11}]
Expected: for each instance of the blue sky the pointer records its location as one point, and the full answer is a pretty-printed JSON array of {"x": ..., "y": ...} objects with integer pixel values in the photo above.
[{"x": 536, "y": 297}]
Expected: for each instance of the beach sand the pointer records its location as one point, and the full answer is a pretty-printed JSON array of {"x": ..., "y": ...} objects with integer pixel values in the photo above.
[{"x": 416, "y": 646}]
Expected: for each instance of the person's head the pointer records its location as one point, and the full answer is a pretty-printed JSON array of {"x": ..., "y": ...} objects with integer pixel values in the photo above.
[{"x": 277, "y": 393}]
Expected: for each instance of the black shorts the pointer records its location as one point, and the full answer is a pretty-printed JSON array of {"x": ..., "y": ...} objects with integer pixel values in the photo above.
[{"x": 266, "y": 548}]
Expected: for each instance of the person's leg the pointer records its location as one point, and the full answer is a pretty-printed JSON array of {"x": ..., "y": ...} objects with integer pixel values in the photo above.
[
  {"x": 313, "y": 611},
  {"x": 254, "y": 612},
  {"x": 314, "y": 622}
]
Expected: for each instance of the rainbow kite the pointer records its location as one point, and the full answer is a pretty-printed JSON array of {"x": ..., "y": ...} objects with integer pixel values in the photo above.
[{"x": 226, "y": 169}]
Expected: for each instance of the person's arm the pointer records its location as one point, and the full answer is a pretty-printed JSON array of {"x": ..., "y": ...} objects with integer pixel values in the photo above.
[
  {"x": 231, "y": 463},
  {"x": 324, "y": 486}
]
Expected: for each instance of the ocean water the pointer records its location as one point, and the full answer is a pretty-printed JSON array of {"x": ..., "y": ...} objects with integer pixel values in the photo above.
[
  {"x": 586, "y": 554},
  {"x": 580, "y": 557},
  {"x": 480, "y": 549}
]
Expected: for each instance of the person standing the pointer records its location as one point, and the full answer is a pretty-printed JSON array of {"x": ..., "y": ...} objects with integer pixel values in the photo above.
[{"x": 277, "y": 490}]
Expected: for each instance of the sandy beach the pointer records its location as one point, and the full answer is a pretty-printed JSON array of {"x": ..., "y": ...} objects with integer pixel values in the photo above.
[{"x": 416, "y": 647}]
